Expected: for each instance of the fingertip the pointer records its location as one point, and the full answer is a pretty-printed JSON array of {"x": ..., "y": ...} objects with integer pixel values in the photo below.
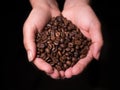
[
  {"x": 48, "y": 70},
  {"x": 68, "y": 73},
  {"x": 62, "y": 74},
  {"x": 42, "y": 65},
  {"x": 76, "y": 70},
  {"x": 55, "y": 74}
]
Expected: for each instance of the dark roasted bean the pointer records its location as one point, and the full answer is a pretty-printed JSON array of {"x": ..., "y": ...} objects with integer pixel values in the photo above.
[
  {"x": 47, "y": 50},
  {"x": 57, "y": 34},
  {"x": 56, "y": 42},
  {"x": 58, "y": 67},
  {"x": 68, "y": 63},
  {"x": 70, "y": 44},
  {"x": 67, "y": 49},
  {"x": 62, "y": 45},
  {"x": 41, "y": 45},
  {"x": 65, "y": 66},
  {"x": 72, "y": 50}
]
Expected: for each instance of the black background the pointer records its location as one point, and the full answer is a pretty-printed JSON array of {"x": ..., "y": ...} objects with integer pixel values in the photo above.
[{"x": 19, "y": 74}]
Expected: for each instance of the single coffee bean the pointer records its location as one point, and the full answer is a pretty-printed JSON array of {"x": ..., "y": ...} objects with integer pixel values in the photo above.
[
  {"x": 47, "y": 50},
  {"x": 65, "y": 66},
  {"x": 68, "y": 62},
  {"x": 42, "y": 45},
  {"x": 59, "y": 68},
  {"x": 70, "y": 45}
]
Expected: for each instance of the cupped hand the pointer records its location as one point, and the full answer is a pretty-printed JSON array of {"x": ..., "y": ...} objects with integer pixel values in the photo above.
[
  {"x": 42, "y": 11},
  {"x": 83, "y": 16}
]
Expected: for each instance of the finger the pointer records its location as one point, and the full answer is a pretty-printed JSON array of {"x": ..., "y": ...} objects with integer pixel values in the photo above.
[
  {"x": 68, "y": 73},
  {"x": 28, "y": 39},
  {"x": 42, "y": 65},
  {"x": 81, "y": 65},
  {"x": 55, "y": 74},
  {"x": 97, "y": 40},
  {"x": 62, "y": 74},
  {"x": 35, "y": 21}
]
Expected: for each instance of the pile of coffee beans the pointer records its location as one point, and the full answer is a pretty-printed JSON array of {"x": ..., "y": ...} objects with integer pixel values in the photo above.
[{"x": 61, "y": 44}]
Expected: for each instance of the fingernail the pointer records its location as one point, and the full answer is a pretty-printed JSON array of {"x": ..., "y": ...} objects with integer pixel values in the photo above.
[{"x": 30, "y": 56}]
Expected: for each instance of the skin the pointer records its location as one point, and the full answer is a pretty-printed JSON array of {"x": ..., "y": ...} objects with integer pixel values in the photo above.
[
  {"x": 42, "y": 11},
  {"x": 81, "y": 14}
]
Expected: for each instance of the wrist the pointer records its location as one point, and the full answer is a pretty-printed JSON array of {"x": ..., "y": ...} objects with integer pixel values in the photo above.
[
  {"x": 71, "y": 3},
  {"x": 82, "y": 1},
  {"x": 43, "y": 3}
]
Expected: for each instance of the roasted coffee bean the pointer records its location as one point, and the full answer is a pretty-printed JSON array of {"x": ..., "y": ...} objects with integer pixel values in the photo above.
[
  {"x": 38, "y": 56},
  {"x": 76, "y": 54},
  {"x": 57, "y": 34},
  {"x": 59, "y": 48},
  {"x": 72, "y": 50},
  {"x": 61, "y": 40},
  {"x": 55, "y": 60},
  {"x": 47, "y": 50},
  {"x": 68, "y": 58},
  {"x": 59, "y": 68},
  {"x": 71, "y": 27},
  {"x": 48, "y": 25},
  {"x": 41, "y": 50},
  {"x": 82, "y": 56},
  {"x": 42, "y": 45},
  {"x": 73, "y": 63},
  {"x": 74, "y": 59},
  {"x": 56, "y": 42},
  {"x": 66, "y": 54},
  {"x": 68, "y": 62},
  {"x": 55, "y": 23},
  {"x": 43, "y": 55},
  {"x": 65, "y": 66},
  {"x": 77, "y": 47},
  {"x": 77, "y": 42},
  {"x": 59, "y": 19},
  {"x": 59, "y": 64},
  {"x": 61, "y": 43},
  {"x": 52, "y": 63},
  {"x": 49, "y": 60},
  {"x": 59, "y": 53},
  {"x": 67, "y": 49},
  {"x": 70, "y": 44}
]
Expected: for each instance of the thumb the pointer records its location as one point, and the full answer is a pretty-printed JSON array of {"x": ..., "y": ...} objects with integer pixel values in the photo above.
[
  {"x": 97, "y": 40},
  {"x": 36, "y": 20},
  {"x": 29, "y": 40}
]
